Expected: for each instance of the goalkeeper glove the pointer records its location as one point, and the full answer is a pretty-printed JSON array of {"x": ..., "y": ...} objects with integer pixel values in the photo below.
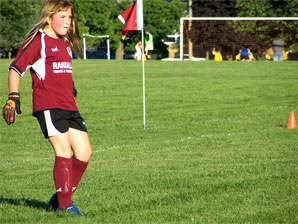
[{"x": 11, "y": 107}]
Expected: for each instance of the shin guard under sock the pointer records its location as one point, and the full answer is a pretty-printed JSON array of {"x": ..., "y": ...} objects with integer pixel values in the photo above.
[
  {"x": 63, "y": 181},
  {"x": 78, "y": 169}
]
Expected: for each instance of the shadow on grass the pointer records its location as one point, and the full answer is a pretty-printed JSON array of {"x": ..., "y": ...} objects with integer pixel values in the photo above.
[
  {"x": 26, "y": 202},
  {"x": 282, "y": 126}
]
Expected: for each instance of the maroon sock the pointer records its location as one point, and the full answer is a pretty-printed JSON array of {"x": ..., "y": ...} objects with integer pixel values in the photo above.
[
  {"x": 63, "y": 181},
  {"x": 78, "y": 169}
]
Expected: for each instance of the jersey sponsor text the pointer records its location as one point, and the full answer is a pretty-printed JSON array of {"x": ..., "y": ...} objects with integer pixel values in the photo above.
[{"x": 62, "y": 67}]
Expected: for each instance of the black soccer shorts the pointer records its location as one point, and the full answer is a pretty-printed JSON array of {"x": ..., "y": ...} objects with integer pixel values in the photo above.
[{"x": 56, "y": 121}]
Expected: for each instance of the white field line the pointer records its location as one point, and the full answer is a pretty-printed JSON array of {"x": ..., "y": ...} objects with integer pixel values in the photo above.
[{"x": 116, "y": 147}]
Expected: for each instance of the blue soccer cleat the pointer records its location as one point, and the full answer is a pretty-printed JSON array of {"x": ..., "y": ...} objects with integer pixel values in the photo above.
[
  {"x": 54, "y": 202},
  {"x": 72, "y": 209}
]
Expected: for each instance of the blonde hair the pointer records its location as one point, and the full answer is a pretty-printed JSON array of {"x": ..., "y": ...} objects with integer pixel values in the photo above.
[{"x": 49, "y": 8}]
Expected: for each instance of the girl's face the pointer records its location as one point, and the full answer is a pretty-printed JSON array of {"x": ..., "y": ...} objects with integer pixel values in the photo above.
[{"x": 59, "y": 24}]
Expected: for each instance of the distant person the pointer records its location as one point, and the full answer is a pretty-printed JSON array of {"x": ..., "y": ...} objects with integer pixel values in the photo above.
[
  {"x": 267, "y": 57},
  {"x": 47, "y": 53},
  {"x": 284, "y": 55},
  {"x": 149, "y": 45},
  {"x": 217, "y": 54},
  {"x": 138, "y": 47},
  {"x": 277, "y": 45},
  {"x": 251, "y": 56},
  {"x": 244, "y": 54},
  {"x": 237, "y": 57}
]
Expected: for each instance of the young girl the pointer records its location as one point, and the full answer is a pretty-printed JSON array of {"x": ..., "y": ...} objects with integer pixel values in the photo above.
[{"x": 47, "y": 53}]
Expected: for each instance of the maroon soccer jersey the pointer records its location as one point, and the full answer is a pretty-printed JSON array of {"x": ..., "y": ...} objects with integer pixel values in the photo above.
[{"x": 50, "y": 63}]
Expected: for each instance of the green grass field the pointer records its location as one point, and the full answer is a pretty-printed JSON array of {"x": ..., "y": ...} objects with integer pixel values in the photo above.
[{"x": 216, "y": 148}]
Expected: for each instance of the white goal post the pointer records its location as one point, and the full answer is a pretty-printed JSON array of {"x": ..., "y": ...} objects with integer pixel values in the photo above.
[
  {"x": 182, "y": 19},
  {"x": 107, "y": 37}
]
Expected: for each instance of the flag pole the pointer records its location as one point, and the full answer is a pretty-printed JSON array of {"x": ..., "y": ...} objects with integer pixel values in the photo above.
[
  {"x": 143, "y": 65},
  {"x": 140, "y": 6},
  {"x": 133, "y": 20}
]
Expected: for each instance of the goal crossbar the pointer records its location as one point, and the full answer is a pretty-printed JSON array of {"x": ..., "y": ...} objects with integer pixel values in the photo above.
[
  {"x": 92, "y": 36},
  {"x": 182, "y": 19}
]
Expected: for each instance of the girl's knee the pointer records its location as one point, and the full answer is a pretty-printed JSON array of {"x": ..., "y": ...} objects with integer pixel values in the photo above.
[{"x": 83, "y": 155}]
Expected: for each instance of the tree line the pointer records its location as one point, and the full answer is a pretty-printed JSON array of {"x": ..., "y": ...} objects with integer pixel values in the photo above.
[{"x": 100, "y": 17}]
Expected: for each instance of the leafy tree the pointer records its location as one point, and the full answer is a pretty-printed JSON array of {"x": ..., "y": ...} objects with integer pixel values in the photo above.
[
  {"x": 231, "y": 36},
  {"x": 206, "y": 35},
  {"x": 16, "y": 19},
  {"x": 268, "y": 29},
  {"x": 99, "y": 17},
  {"x": 219, "y": 34},
  {"x": 267, "y": 8},
  {"x": 162, "y": 18},
  {"x": 219, "y": 8}
]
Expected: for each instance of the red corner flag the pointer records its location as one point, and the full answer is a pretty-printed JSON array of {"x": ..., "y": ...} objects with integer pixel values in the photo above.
[{"x": 132, "y": 18}]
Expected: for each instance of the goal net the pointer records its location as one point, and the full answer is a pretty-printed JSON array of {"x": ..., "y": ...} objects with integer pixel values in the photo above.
[
  {"x": 94, "y": 48},
  {"x": 231, "y": 34}
]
